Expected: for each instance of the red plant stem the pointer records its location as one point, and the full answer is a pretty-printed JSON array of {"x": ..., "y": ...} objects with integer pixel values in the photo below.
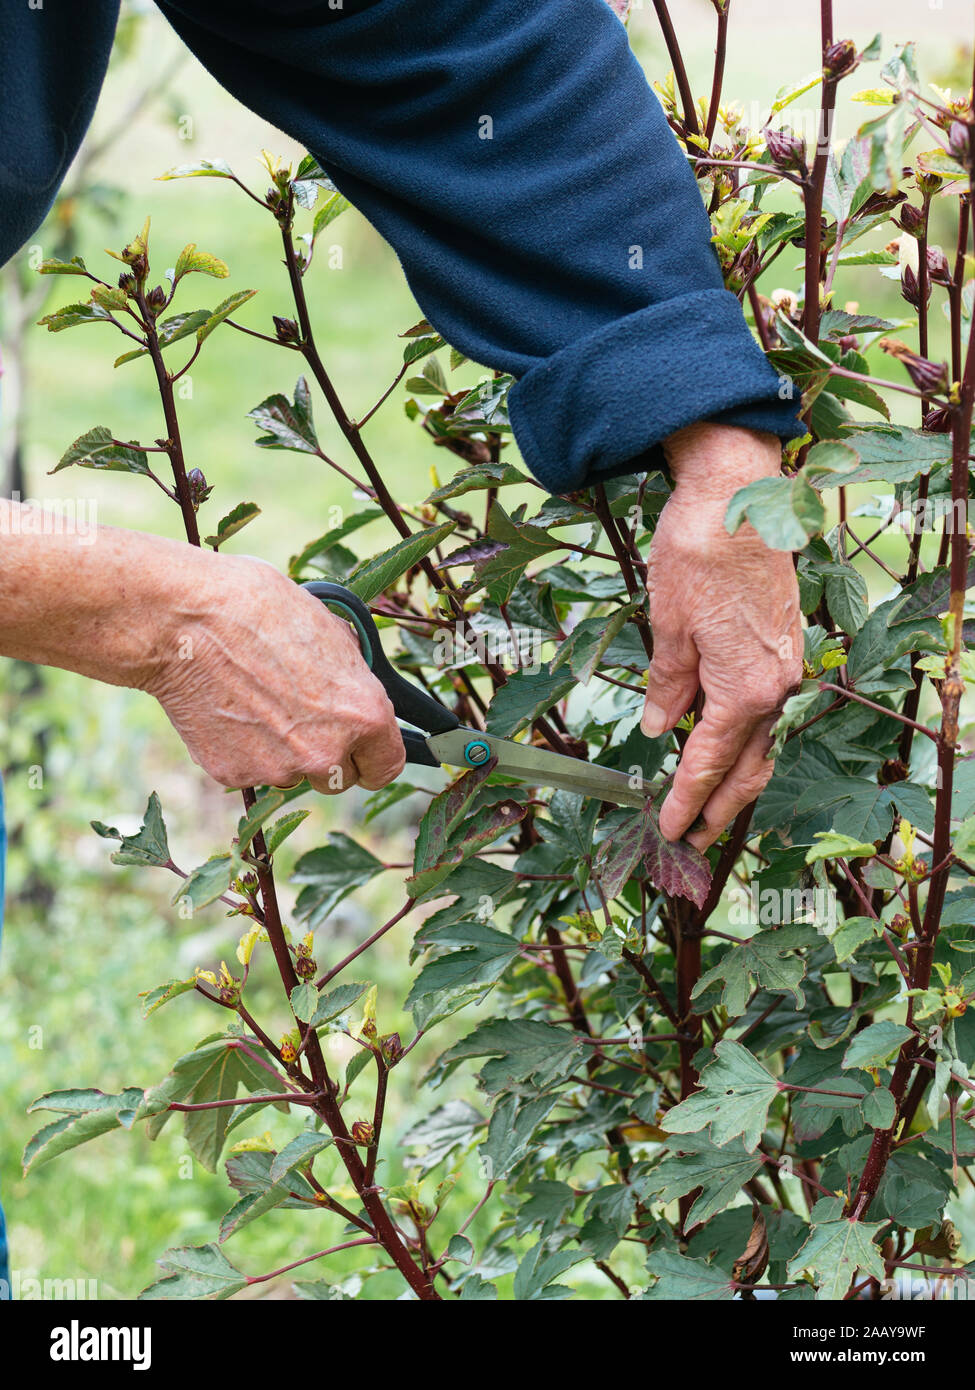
[
  {"x": 677, "y": 62},
  {"x": 881, "y": 709},
  {"x": 816, "y": 184},
  {"x": 332, "y": 1250},
  {"x": 720, "y": 53},
  {"x": 323, "y": 980},
  {"x": 922, "y": 959}
]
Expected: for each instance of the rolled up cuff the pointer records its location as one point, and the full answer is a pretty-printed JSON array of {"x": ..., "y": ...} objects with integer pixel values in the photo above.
[{"x": 600, "y": 407}]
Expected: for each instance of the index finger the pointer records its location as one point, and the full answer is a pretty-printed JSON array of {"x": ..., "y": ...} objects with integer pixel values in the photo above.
[{"x": 709, "y": 755}]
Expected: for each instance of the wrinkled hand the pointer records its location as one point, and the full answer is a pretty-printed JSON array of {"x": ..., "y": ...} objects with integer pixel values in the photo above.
[
  {"x": 265, "y": 686},
  {"x": 725, "y": 617}
]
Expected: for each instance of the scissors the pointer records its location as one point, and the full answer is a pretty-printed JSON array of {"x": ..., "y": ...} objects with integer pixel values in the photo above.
[{"x": 445, "y": 740}]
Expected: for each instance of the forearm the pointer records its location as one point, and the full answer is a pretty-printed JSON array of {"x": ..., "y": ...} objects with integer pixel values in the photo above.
[{"x": 95, "y": 602}]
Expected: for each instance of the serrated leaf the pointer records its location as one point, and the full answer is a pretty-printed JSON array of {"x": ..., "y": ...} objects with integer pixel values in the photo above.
[
  {"x": 768, "y": 959},
  {"x": 682, "y": 1279},
  {"x": 203, "y": 168},
  {"x": 696, "y": 1163},
  {"x": 331, "y": 872},
  {"x": 96, "y": 448},
  {"x": 86, "y": 1115},
  {"x": 223, "y": 311},
  {"x": 73, "y": 316},
  {"x": 155, "y": 998},
  {"x": 336, "y": 1001},
  {"x": 373, "y": 576},
  {"x": 148, "y": 846},
  {"x": 298, "y": 1153},
  {"x": 201, "y": 1271},
  {"x": 190, "y": 259},
  {"x": 836, "y": 1250},
  {"x": 876, "y": 1044},
  {"x": 735, "y": 1097},
  {"x": 784, "y": 511},
  {"x": 233, "y": 522}
]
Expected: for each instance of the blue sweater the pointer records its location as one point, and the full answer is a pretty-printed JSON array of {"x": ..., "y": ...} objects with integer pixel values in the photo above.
[{"x": 512, "y": 154}]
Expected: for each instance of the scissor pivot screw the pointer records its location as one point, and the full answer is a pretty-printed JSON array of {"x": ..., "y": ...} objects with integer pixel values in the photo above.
[{"x": 477, "y": 752}]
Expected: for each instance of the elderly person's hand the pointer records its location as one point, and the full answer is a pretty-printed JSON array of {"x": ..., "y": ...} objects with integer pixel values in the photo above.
[
  {"x": 261, "y": 682},
  {"x": 725, "y": 616}
]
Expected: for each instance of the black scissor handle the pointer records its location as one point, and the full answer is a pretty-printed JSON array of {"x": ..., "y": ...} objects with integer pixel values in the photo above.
[{"x": 408, "y": 700}]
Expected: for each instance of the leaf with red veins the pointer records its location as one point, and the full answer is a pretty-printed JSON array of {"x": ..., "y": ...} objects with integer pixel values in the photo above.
[{"x": 674, "y": 866}]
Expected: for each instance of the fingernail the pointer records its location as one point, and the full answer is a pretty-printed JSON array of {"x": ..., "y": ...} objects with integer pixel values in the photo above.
[{"x": 654, "y": 720}]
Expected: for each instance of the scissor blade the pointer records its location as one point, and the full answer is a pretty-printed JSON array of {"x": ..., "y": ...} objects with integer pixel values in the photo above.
[{"x": 537, "y": 767}]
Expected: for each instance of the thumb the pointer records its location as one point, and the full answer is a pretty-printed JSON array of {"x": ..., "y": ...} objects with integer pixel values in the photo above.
[{"x": 672, "y": 682}]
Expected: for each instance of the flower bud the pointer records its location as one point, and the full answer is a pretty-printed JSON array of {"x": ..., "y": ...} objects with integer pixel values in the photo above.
[
  {"x": 156, "y": 297},
  {"x": 840, "y": 58},
  {"x": 928, "y": 183},
  {"x": 126, "y": 282},
  {"x": 392, "y": 1048},
  {"x": 910, "y": 288},
  {"x": 960, "y": 143},
  {"x": 199, "y": 489},
  {"x": 287, "y": 330},
  {"x": 786, "y": 149},
  {"x": 927, "y": 376},
  {"x": 305, "y": 967},
  {"x": 938, "y": 421},
  {"x": 939, "y": 271},
  {"x": 363, "y": 1133},
  {"x": 912, "y": 220}
]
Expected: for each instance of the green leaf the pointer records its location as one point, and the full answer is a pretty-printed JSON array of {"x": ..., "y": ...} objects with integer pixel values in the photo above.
[
  {"x": 198, "y": 1271},
  {"x": 830, "y": 845},
  {"x": 223, "y": 311},
  {"x": 190, "y": 259},
  {"x": 155, "y": 998},
  {"x": 784, "y": 511},
  {"x": 522, "y": 543},
  {"x": 481, "y": 476},
  {"x": 587, "y": 643},
  {"x": 735, "y": 1097},
  {"x": 304, "y": 998},
  {"x": 535, "y": 1276},
  {"x": 96, "y": 448},
  {"x": 233, "y": 522},
  {"x": 298, "y": 1153},
  {"x": 451, "y": 1126},
  {"x": 484, "y": 959},
  {"x": 148, "y": 846},
  {"x": 695, "y": 1163},
  {"x": 525, "y": 696},
  {"x": 72, "y": 316},
  {"x": 682, "y": 1279},
  {"x": 170, "y": 330},
  {"x": 336, "y": 1001},
  {"x": 836, "y": 1250},
  {"x": 75, "y": 266},
  {"x": 203, "y": 168},
  {"x": 330, "y": 873},
  {"x": 767, "y": 959},
  {"x": 888, "y": 453},
  {"x": 851, "y": 934},
  {"x": 323, "y": 544},
  {"x": 460, "y": 1248},
  {"x": 880, "y": 1108},
  {"x": 86, "y": 1115},
  {"x": 482, "y": 829},
  {"x": 876, "y": 1044},
  {"x": 208, "y": 881},
  {"x": 523, "y": 1048},
  {"x": 333, "y": 207},
  {"x": 373, "y": 576}
]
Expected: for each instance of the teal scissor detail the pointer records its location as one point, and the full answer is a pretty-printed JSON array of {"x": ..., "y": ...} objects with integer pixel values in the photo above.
[{"x": 438, "y": 737}]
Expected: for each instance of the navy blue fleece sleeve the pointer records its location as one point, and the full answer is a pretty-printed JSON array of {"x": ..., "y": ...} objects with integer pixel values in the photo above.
[{"x": 545, "y": 217}]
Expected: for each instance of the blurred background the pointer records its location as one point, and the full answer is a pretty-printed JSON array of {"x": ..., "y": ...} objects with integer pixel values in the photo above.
[{"x": 83, "y": 937}]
